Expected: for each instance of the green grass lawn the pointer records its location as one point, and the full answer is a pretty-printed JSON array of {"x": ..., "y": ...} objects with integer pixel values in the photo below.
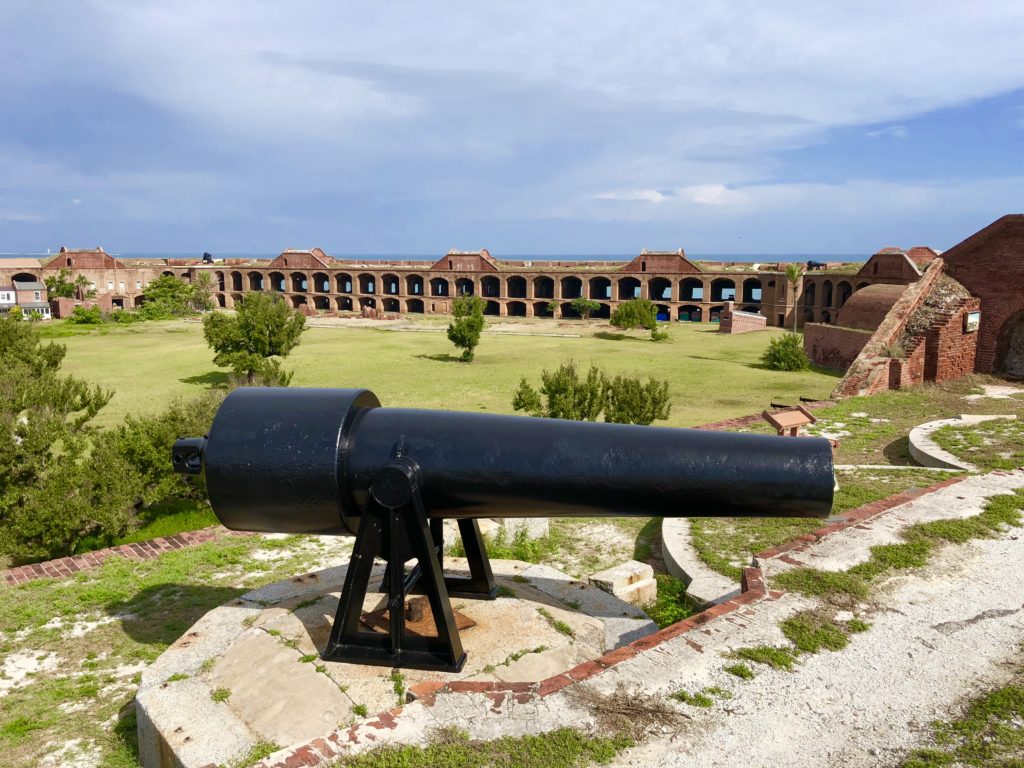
[{"x": 711, "y": 376}]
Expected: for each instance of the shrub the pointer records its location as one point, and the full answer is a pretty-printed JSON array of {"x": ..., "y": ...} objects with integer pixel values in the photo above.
[
  {"x": 263, "y": 327},
  {"x": 86, "y": 316},
  {"x": 635, "y": 313},
  {"x": 786, "y": 353}
]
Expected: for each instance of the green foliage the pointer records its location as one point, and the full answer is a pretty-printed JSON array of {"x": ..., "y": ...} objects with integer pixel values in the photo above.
[
  {"x": 59, "y": 286},
  {"x": 776, "y": 658},
  {"x": 793, "y": 273},
  {"x": 552, "y": 307},
  {"x": 635, "y": 313},
  {"x": 124, "y": 317},
  {"x": 86, "y": 316},
  {"x": 360, "y": 710},
  {"x": 585, "y": 307},
  {"x": 451, "y": 748},
  {"x": 699, "y": 699},
  {"x": 52, "y": 492},
  {"x": 566, "y": 395},
  {"x": 659, "y": 335},
  {"x": 631, "y": 402},
  {"x": 220, "y": 694},
  {"x": 740, "y": 670},
  {"x": 786, "y": 353},
  {"x": 811, "y": 632},
  {"x": 167, "y": 297},
  {"x": 622, "y": 400},
  {"x": 263, "y": 327},
  {"x": 671, "y": 605},
  {"x": 467, "y": 324},
  {"x": 16, "y": 314}
]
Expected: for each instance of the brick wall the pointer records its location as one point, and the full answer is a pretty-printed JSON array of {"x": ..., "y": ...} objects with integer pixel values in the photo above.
[
  {"x": 735, "y": 321},
  {"x": 832, "y": 346}
]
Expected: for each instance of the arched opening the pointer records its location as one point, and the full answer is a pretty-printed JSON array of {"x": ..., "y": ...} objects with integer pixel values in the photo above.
[
  {"x": 298, "y": 301},
  {"x": 140, "y": 300},
  {"x": 543, "y": 288},
  {"x": 809, "y": 315},
  {"x": 218, "y": 278},
  {"x": 492, "y": 308},
  {"x": 490, "y": 286},
  {"x": 826, "y": 293},
  {"x": 715, "y": 315},
  {"x": 516, "y": 308},
  {"x": 276, "y": 282},
  {"x": 751, "y": 289},
  {"x": 367, "y": 284},
  {"x": 604, "y": 311},
  {"x": 344, "y": 303},
  {"x": 414, "y": 305},
  {"x": 572, "y": 288},
  {"x": 826, "y": 317},
  {"x": 1010, "y": 347},
  {"x": 862, "y": 285},
  {"x": 662, "y": 313},
  {"x": 540, "y": 309},
  {"x": 391, "y": 285},
  {"x": 25, "y": 277},
  {"x": 321, "y": 302},
  {"x": 689, "y": 314},
  {"x": 165, "y": 273},
  {"x": 391, "y": 305},
  {"x": 299, "y": 283},
  {"x": 343, "y": 283},
  {"x": 723, "y": 289},
  {"x": 691, "y": 289},
  {"x": 236, "y": 281},
  {"x": 367, "y": 301},
  {"x": 600, "y": 288},
  {"x": 568, "y": 310},
  {"x": 321, "y": 283},
  {"x": 516, "y": 288},
  {"x": 414, "y": 287},
  {"x": 221, "y": 301},
  {"x": 236, "y": 299},
  {"x": 438, "y": 286},
  {"x": 464, "y": 287},
  {"x": 255, "y": 281},
  {"x": 629, "y": 288},
  {"x": 810, "y": 289},
  {"x": 843, "y": 292},
  {"x": 659, "y": 289}
]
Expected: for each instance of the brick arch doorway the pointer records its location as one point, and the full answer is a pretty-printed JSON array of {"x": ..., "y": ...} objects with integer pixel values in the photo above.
[{"x": 1010, "y": 348}]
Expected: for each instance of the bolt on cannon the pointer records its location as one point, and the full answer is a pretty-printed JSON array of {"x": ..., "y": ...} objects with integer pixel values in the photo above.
[{"x": 333, "y": 461}]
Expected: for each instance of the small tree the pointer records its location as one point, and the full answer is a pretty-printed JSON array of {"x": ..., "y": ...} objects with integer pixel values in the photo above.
[
  {"x": 793, "y": 273},
  {"x": 468, "y": 323},
  {"x": 167, "y": 297},
  {"x": 584, "y": 307},
  {"x": 83, "y": 289},
  {"x": 17, "y": 314},
  {"x": 58, "y": 286},
  {"x": 552, "y": 308},
  {"x": 564, "y": 394},
  {"x": 200, "y": 292},
  {"x": 635, "y": 313},
  {"x": 263, "y": 327},
  {"x": 786, "y": 353}
]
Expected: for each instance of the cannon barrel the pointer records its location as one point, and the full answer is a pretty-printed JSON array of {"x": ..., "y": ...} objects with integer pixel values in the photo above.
[{"x": 302, "y": 461}]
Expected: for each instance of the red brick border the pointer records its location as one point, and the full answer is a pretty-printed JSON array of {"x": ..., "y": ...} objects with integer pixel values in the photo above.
[
  {"x": 144, "y": 550},
  {"x": 754, "y": 418}
]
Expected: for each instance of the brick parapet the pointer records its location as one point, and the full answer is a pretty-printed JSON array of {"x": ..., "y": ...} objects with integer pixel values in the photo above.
[{"x": 64, "y": 567}]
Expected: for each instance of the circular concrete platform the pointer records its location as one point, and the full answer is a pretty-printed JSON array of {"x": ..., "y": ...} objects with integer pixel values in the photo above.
[{"x": 250, "y": 671}]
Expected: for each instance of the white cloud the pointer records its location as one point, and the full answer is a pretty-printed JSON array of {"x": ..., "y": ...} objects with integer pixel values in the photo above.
[
  {"x": 20, "y": 217},
  {"x": 890, "y": 131},
  {"x": 646, "y": 195}
]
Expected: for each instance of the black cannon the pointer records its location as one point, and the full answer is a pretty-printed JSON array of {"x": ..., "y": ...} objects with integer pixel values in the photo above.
[{"x": 332, "y": 461}]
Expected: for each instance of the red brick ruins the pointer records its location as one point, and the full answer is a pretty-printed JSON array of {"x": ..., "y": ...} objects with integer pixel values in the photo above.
[{"x": 902, "y": 317}]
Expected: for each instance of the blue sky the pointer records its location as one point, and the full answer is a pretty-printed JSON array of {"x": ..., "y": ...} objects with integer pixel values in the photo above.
[{"x": 534, "y": 127}]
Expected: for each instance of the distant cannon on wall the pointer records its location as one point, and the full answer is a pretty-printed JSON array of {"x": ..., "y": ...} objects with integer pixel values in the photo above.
[{"x": 333, "y": 461}]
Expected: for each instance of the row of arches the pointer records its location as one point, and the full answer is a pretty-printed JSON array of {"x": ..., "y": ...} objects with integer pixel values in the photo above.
[
  {"x": 515, "y": 287},
  {"x": 830, "y": 296},
  {"x": 687, "y": 313}
]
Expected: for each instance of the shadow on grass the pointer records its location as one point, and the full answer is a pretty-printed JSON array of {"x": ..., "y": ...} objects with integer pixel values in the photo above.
[
  {"x": 647, "y": 547},
  {"x": 609, "y": 336},
  {"x": 212, "y": 379},
  {"x": 160, "y": 614},
  {"x": 444, "y": 357},
  {"x": 898, "y": 451}
]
